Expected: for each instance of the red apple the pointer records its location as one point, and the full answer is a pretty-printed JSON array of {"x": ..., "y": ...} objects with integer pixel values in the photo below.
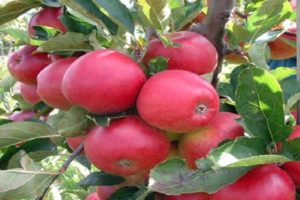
[
  {"x": 195, "y": 53},
  {"x": 280, "y": 48},
  {"x": 29, "y": 94},
  {"x": 46, "y": 17},
  {"x": 49, "y": 83},
  {"x": 195, "y": 145},
  {"x": 93, "y": 196},
  {"x": 104, "y": 192},
  {"x": 74, "y": 142},
  {"x": 103, "y": 82},
  {"x": 25, "y": 64},
  {"x": 293, "y": 167},
  {"x": 177, "y": 101},
  {"x": 127, "y": 146},
  {"x": 262, "y": 183},
  {"x": 193, "y": 196}
]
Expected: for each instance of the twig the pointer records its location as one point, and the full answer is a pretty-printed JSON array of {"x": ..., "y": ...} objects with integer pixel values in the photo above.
[
  {"x": 213, "y": 28},
  {"x": 63, "y": 168}
]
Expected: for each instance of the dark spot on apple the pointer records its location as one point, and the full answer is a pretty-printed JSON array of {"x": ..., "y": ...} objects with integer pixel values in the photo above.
[
  {"x": 200, "y": 109},
  {"x": 125, "y": 163}
]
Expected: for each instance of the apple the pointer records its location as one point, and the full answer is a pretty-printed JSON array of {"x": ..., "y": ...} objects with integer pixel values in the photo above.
[
  {"x": 29, "y": 94},
  {"x": 195, "y": 53},
  {"x": 103, "y": 82},
  {"x": 280, "y": 48},
  {"x": 177, "y": 101},
  {"x": 46, "y": 17},
  {"x": 293, "y": 167},
  {"x": 49, "y": 83},
  {"x": 25, "y": 64},
  {"x": 261, "y": 183},
  {"x": 74, "y": 142},
  {"x": 104, "y": 192},
  {"x": 192, "y": 196},
  {"x": 127, "y": 146},
  {"x": 93, "y": 196},
  {"x": 196, "y": 145}
]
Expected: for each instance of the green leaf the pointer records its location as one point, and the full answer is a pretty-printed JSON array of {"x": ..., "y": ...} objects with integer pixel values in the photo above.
[
  {"x": 291, "y": 149},
  {"x": 177, "y": 11},
  {"x": 24, "y": 183},
  {"x": 15, "y": 8},
  {"x": 281, "y": 73},
  {"x": 89, "y": 10},
  {"x": 243, "y": 152},
  {"x": 259, "y": 54},
  {"x": 73, "y": 123},
  {"x": 100, "y": 178},
  {"x": 67, "y": 42},
  {"x": 258, "y": 93},
  {"x": 125, "y": 193},
  {"x": 17, "y": 132},
  {"x": 154, "y": 13},
  {"x": 173, "y": 177},
  {"x": 24, "y": 105},
  {"x": 75, "y": 24},
  {"x": 50, "y": 3},
  {"x": 268, "y": 14},
  {"x": 157, "y": 64},
  {"x": 118, "y": 11},
  {"x": 269, "y": 36},
  {"x": 290, "y": 87},
  {"x": 21, "y": 36},
  {"x": 45, "y": 32}
]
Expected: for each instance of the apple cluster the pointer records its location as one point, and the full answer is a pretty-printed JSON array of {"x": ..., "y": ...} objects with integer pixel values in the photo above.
[{"x": 177, "y": 110}]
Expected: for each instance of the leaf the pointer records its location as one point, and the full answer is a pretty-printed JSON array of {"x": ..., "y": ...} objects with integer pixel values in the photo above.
[
  {"x": 67, "y": 42},
  {"x": 290, "y": 87},
  {"x": 17, "y": 132},
  {"x": 75, "y": 24},
  {"x": 21, "y": 36},
  {"x": 259, "y": 54},
  {"x": 281, "y": 73},
  {"x": 243, "y": 152},
  {"x": 50, "y": 3},
  {"x": 15, "y": 8},
  {"x": 73, "y": 123},
  {"x": 154, "y": 13},
  {"x": 45, "y": 32},
  {"x": 269, "y": 36},
  {"x": 177, "y": 11},
  {"x": 117, "y": 11},
  {"x": 291, "y": 149},
  {"x": 268, "y": 14},
  {"x": 172, "y": 177},
  {"x": 157, "y": 64},
  {"x": 258, "y": 93},
  {"x": 292, "y": 101},
  {"x": 125, "y": 193},
  {"x": 100, "y": 178},
  {"x": 89, "y": 10}
]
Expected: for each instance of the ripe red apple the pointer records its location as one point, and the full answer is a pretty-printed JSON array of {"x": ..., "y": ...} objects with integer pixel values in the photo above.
[
  {"x": 74, "y": 142},
  {"x": 127, "y": 146},
  {"x": 22, "y": 115},
  {"x": 280, "y": 48},
  {"x": 177, "y": 101},
  {"x": 103, "y": 82},
  {"x": 195, "y": 145},
  {"x": 93, "y": 196},
  {"x": 262, "y": 183},
  {"x": 193, "y": 196},
  {"x": 29, "y": 94},
  {"x": 195, "y": 53},
  {"x": 49, "y": 83},
  {"x": 46, "y": 17},
  {"x": 104, "y": 192},
  {"x": 293, "y": 167},
  {"x": 24, "y": 65}
]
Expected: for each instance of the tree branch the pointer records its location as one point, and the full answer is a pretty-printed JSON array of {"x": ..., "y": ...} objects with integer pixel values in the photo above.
[
  {"x": 63, "y": 168},
  {"x": 213, "y": 28}
]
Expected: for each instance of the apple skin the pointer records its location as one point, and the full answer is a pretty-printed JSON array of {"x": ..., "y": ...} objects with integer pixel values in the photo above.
[
  {"x": 29, "y": 94},
  {"x": 46, "y": 17},
  {"x": 74, "y": 142},
  {"x": 127, "y": 146},
  {"x": 280, "y": 49},
  {"x": 104, "y": 192},
  {"x": 263, "y": 182},
  {"x": 49, "y": 83},
  {"x": 24, "y": 65},
  {"x": 109, "y": 82},
  {"x": 193, "y": 196},
  {"x": 293, "y": 167},
  {"x": 93, "y": 196},
  {"x": 177, "y": 101},
  {"x": 190, "y": 56},
  {"x": 195, "y": 145}
]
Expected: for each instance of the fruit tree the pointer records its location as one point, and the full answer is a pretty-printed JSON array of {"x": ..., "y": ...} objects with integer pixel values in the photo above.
[{"x": 149, "y": 100}]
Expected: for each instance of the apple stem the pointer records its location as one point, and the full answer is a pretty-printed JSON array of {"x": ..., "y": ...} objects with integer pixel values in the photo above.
[
  {"x": 63, "y": 168},
  {"x": 213, "y": 28}
]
